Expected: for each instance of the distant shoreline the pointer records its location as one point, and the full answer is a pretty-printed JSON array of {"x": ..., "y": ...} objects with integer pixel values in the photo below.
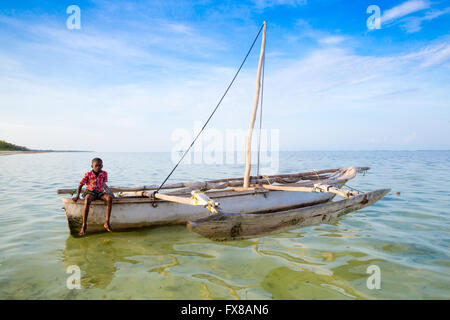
[{"x": 8, "y": 153}]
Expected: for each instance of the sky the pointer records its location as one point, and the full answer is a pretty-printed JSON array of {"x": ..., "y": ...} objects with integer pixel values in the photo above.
[{"x": 136, "y": 72}]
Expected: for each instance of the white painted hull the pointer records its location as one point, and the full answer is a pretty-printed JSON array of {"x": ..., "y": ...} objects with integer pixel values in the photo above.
[{"x": 131, "y": 213}]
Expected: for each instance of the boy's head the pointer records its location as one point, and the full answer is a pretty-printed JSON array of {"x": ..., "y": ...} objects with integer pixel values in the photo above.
[{"x": 97, "y": 164}]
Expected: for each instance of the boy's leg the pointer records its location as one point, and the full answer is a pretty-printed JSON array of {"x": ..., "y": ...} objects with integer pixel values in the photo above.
[
  {"x": 107, "y": 198},
  {"x": 87, "y": 202}
]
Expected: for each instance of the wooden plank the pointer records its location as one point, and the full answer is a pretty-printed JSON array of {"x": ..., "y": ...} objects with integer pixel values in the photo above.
[
  {"x": 138, "y": 197},
  {"x": 342, "y": 193},
  {"x": 200, "y": 200},
  {"x": 288, "y": 175},
  {"x": 161, "y": 196},
  {"x": 315, "y": 188},
  {"x": 288, "y": 188},
  {"x": 125, "y": 189},
  {"x": 238, "y": 189}
]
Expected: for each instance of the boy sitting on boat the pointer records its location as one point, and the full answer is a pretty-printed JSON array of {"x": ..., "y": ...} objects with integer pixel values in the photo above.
[{"x": 96, "y": 188}]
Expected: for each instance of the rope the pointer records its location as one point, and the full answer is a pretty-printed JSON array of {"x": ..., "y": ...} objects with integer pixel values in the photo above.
[
  {"x": 318, "y": 177},
  {"x": 217, "y": 106},
  {"x": 354, "y": 189},
  {"x": 267, "y": 179},
  {"x": 260, "y": 112}
]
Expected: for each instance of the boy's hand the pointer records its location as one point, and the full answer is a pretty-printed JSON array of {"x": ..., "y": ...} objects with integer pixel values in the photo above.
[
  {"x": 75, "y": 199},
  {"x": 109, "y": 192}
]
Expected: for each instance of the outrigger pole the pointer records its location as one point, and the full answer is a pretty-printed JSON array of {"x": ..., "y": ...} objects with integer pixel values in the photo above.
[{"x": 255, "y": 108}]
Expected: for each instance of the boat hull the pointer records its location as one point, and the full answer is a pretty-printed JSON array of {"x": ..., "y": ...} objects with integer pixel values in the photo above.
[
  {"x": 232, "y": 226},
  {"x": 137, "y": 213}
]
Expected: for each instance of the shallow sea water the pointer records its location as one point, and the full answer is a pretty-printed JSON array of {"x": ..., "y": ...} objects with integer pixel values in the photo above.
[{"x": 406, "y": 236}]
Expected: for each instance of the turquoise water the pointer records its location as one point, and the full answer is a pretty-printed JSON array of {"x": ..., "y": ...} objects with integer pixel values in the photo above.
[{"x": 407, "y": 236}]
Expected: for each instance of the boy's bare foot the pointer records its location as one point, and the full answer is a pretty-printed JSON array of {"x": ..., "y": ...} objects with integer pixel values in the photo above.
[
  {"x": 107, "y": 227},
  {"x": 83, "y": 231}
]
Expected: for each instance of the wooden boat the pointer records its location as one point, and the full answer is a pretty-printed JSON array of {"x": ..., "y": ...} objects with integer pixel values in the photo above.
[
  {"x": 135, "y": 209},
  {"x": 231, "y": 208}
]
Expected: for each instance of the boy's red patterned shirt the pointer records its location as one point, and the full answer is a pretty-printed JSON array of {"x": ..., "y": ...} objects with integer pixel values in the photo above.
[{"x": 95, "y": 182}]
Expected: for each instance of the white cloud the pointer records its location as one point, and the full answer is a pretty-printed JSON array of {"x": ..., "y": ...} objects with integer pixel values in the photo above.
[
  {"x": 270, "y": 3},
  {"x": 102, "y": 47},
  {"x": 414, "y": 24},
  {"x": 331, "y": 40},
  {"x": 404, "y": 9},
  {"x": 180, "y": 28},
  {"x": 326, "y": 89},
  {"x": 431, "y": 55},
  {"x": 439, "y": 55},
  {"x": 329, "y": 98},
  {"x": 322, "y": 37}
]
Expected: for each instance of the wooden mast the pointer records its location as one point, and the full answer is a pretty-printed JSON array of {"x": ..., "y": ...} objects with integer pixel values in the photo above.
[{"x": 255, "y": 108}]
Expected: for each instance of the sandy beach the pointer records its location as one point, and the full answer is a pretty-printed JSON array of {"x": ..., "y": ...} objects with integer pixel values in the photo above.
[{"x": 8, "y": 153}]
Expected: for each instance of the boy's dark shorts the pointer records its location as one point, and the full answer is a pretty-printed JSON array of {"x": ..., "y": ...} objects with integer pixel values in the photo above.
[{"x": 97, "y": 195}]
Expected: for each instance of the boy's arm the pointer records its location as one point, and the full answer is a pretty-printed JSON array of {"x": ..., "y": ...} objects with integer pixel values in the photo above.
[
  {"x": 80, "y": 186},
  {"x": 77, "y": 196},
  {"x": 108, "y": 190}
]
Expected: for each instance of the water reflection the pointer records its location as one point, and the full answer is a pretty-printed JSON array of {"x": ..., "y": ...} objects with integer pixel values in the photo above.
[
  {"x": 171, "y": 253},
  {"x": 288, "y": 284},
  {"x": 174, "y": 253},
  {"x": 99, "y": 256}
]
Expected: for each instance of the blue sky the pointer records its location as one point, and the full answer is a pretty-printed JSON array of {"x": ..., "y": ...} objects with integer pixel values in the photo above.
[{"x": 137, "y": 71}]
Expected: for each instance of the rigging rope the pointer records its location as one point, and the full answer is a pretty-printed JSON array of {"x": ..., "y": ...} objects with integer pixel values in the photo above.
[
  {"x": 220, "y": 101},
  {"x": 354, "y": 189}
]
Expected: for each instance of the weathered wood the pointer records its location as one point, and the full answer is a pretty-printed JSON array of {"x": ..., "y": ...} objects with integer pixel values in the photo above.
[
  {"x": 230, "y": 226},
  {"x": 243, "y": 188},
  {"x": 315, "y": 188},
  {"x": 255, "y": 108},
  {"x": 288, "y": 188},
  {"x": 213, "y": 184},
  {"x": 198, "y": 199},
  {"x": 128, "y": 189},
  {"x": 143, "y": 197},
  {"x": 162, "y": 196},
  {"x": 133, "y": 212},
  {"x": 137, "y": 211},
  {"x": 289, "y": 175},
  {"x": 231, "y": 182},
  {"x": 327, "y": 188}
]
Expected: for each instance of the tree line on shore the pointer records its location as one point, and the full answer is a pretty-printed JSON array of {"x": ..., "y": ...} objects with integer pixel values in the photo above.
[{"x": 6, "y": 146}]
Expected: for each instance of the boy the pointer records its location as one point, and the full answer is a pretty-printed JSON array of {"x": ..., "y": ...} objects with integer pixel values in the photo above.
[{"x": 96, "y": 188}]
